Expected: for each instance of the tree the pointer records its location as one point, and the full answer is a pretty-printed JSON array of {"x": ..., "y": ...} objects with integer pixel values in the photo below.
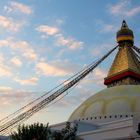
[
  {"x": 32, "y": 132},
  {"x": 43, "y": 132},
  {"x": 67, "y": 133}
]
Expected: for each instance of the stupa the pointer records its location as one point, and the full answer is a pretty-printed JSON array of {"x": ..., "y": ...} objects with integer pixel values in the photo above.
[{"x": 121, "y": 98}]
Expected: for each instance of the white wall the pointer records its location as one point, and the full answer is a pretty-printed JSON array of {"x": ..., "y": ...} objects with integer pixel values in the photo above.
[{"x": 106, "y": 134}]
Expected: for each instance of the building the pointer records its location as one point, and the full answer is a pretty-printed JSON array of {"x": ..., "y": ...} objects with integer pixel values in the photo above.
[{"x": 113, "y": 113}]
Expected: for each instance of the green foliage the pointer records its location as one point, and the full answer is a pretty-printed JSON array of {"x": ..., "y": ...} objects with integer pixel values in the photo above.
[
  {"x": 43, "y": 132},
  {"x": 67, "y": 133},
  {"x": 32, "y": 132}
]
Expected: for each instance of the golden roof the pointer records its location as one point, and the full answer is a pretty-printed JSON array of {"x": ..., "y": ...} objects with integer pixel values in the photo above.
[{"x": 125, "y": 60}]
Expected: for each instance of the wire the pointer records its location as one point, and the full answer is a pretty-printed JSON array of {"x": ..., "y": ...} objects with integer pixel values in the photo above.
[
  {"x": 11, "y": 129},
  {"x": 32, "y": 102},
  {"x": 134, "y": 59},
  {"x": 136, "y": 52},
  {"x": 55, "y": 94}
]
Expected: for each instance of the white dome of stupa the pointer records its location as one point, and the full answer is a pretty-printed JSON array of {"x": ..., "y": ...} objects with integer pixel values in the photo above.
[
  {"x": 122, "y": 97},
  {"x": 110, "y": 104}
]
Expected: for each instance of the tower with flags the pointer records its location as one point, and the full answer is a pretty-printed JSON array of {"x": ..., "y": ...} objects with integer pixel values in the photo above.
[{"x": 113, "y": 113}]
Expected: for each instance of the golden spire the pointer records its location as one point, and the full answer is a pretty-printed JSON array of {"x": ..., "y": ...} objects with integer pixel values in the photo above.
[
  {"x": 125, "y": 68},
  {"x": 124, "y": 60}
]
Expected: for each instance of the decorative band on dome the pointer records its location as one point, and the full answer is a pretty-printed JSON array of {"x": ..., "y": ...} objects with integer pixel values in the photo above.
[
  {"x": 124, "y": 34},
  {"x": 109, "y": 80},
  {"x": 124, "y": 38}
]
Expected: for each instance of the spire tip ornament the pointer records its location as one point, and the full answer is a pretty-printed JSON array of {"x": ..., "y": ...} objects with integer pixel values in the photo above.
[
  {"x": 124, "y": 25},
  {"x": 125, "y": 34}
]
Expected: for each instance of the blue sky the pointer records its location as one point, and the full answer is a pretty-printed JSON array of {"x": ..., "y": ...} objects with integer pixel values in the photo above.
[{"x": 42, "y": 43}]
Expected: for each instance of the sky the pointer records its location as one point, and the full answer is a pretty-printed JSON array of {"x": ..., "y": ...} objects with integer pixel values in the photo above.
[{"x": 43, "y": 43}]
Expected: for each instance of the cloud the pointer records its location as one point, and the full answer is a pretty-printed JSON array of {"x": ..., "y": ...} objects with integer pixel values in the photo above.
[
  {"x": 49, "y": 30},
  {"x": 9, "y": 96},
  {"x": 4, "y": 42},
  {"x": 109, "y": 28},
  {"x": 16, "y": 62},
  {"x": 59, "y": 38},
  {"x": 18, "y": 7},
  {"x": 59, "y": 21},
  {"x": 99, "y": 74},
  {"x": 99, "y": 49},
  {"x": 4, "y": 69},
  {"x": 82, "y": 90},
  {"x": 23, "y": 47},
  {"x": 96, "y": 52},
  {"x": 49, "y": 70},
  {"x": 96, "y": 77},
  {"x": 20, "y": 46},
  {"x": 81, "y": 93},
  {"x": 5, "y": 89},
  {"x": 19, "y": 50},
  {"x": 124, "y": 8},
  {"x": 56, "y": 68},
  {"x": 103, "y": 27},
  {"x": 71, "y": 43},
  {"x": 9, "y": 24},
  {"x": 61, "y": 101},
  {"x": 30, "y": 81}
]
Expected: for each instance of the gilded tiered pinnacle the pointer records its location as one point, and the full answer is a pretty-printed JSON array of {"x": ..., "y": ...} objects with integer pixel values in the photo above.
[
  {"x": 125, "y": 69},
  {"x": 125, "y": 60}
]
